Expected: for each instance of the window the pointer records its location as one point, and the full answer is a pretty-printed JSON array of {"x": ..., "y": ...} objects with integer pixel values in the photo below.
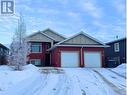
[
  {"x": 116, "y": 47},
  {"x": 36, "y": 61},
  {"x": 36, "y": 47}
]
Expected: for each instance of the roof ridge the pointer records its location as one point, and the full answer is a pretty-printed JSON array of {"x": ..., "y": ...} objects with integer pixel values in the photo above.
[
  {"x": 79, "y": 34},
  {"x": 41, "y": 33},
  {"x": 47, "y": 36},
  {"x": 54, "y": 32}
]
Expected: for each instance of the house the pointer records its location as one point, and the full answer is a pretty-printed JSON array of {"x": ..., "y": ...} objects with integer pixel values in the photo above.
[
  {"x": 3, "y": 53},
  {"x": 49, "y": 48},
  {"x": 116, "y": 52}
]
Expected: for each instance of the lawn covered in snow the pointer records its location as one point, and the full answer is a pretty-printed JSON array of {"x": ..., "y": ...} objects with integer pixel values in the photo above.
[
  {"x": 62, "y": 81},
  {"x": 18, "y": 82}
]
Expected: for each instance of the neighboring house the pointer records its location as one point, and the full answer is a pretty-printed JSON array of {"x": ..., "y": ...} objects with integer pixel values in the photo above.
[
  {"x": 116, "y": 52},
  {"x": 49, "y": 48},
  {"x": 3, "y": 54}
]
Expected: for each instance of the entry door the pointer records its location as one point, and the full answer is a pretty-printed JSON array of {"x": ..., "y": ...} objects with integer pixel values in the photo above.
[
  {"x": 69, "y": 59},
  {"x": 92, "y": 59},
  {"x": 47, "y": 59}
]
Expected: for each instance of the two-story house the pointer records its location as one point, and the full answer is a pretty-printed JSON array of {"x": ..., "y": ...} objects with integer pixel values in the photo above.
[
  {"x": 3, "y": 54},
  {"x": 116, "y": 52},
  {"x": 49, "y": 48},
  {"x": 41, "y": 41}
]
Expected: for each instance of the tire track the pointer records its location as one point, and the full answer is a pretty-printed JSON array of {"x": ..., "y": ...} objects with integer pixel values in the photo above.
[
  {"x": 114, "y": 77},
  {"x": 43, "y": 84},
  {"x": 115, "y": 88},
  {"x": 61, "y": 83},
  {"x": 100, "y": 82},
  {"x": 38, "y": 86},
  {"x": 81, "y": 86},
  {"x": 66, "y": 87},
  {"x": 117, "y": 73}
]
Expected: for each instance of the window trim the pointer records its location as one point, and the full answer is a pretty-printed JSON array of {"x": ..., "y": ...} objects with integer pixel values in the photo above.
[
  {"x": 116, "y": 47},
  {"x": 36, "y": 45}
]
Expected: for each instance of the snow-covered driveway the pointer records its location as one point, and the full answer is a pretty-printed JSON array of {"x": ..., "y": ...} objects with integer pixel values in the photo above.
[
  {"x": 63, "y": 81},
  {"x": 82, "y": 81}
]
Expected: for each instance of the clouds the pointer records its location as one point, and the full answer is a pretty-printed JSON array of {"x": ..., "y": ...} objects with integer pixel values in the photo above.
[
  {"x": 119, "y": 6},
  {"x": 91, "y": 8},
  {"x": 102, "y": 19}
]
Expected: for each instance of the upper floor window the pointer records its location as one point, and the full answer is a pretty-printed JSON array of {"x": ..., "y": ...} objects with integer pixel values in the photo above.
[
  {"x": 36, "y": 47},
  {"x": 116, "y": 47}
]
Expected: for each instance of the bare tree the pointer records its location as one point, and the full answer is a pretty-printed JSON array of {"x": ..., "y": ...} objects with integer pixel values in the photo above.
[{"x": 19, "y": 48}]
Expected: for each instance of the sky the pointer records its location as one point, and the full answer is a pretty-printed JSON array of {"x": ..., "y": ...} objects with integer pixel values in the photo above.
[{"x": 101, "y": 19}]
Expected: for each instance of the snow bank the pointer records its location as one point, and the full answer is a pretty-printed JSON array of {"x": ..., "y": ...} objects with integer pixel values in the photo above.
[
  {"x": 5, "y": 68},
  {"x": 122, "y": 66},
  {"x": 121, "y": 69},
  {"x": 30, "y": 67},
  {"x": 19, "y": 82}
]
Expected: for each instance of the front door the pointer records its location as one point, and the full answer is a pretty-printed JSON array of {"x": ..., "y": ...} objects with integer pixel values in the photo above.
[{"x": 47, "y": 59}]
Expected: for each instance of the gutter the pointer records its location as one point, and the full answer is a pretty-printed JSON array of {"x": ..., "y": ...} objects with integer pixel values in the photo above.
[
  {"x": 104, "y": 46},
  {"x": 84, "y": 45}
]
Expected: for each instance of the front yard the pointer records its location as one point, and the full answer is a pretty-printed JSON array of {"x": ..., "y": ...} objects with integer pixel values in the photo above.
[{"x": 65, "y": 81}]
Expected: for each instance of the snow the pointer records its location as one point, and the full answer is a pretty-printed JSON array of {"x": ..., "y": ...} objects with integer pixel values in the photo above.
[
  {"x": 121, "y": 69},
  {"x": 62, "y": 81},
  {"x": 5, "y": 68},
  {"x": 89, "y": 83},
  {"x": 15, "y": 82},
  {"x": 112, "y": 78},
  {"x": 123, "y": 65}
]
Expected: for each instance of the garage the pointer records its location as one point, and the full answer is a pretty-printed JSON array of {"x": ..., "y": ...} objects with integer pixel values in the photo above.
[
  {"x": 92, "y": 59},
  {"x": 69, "y": 59}
]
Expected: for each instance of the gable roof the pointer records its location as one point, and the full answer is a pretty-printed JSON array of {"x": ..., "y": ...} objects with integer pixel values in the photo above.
[
  {"x": 39, "y": 32},
  {"x": 3, "y": 46},
  {"x": 84, "y": 34},
  {"x": 100, "y": 44},
  {"x": 53, "y": 34}
]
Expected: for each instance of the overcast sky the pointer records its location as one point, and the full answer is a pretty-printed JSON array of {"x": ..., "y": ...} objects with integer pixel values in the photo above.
[{"x": 102, "y": 19}]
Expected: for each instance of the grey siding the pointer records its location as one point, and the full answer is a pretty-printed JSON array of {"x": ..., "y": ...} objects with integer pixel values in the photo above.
[
  {"x": 54, "y": 35},
  {"x": 81, "y": 40},
  {"x": 39, "y": 37}
]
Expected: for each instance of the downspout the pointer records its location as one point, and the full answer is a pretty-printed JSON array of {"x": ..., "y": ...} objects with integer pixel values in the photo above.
[{"x": 50, "y": 59}]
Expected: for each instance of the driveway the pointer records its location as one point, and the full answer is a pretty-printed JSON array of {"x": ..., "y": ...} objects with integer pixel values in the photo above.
[{"x": 81, "y": 81}]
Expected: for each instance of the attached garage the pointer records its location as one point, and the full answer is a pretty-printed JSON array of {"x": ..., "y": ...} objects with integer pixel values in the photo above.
[
  {"x": 80, "y": 50},
  {"x": 92, "y": 59},
  {"x": 69, "y": 59}
]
